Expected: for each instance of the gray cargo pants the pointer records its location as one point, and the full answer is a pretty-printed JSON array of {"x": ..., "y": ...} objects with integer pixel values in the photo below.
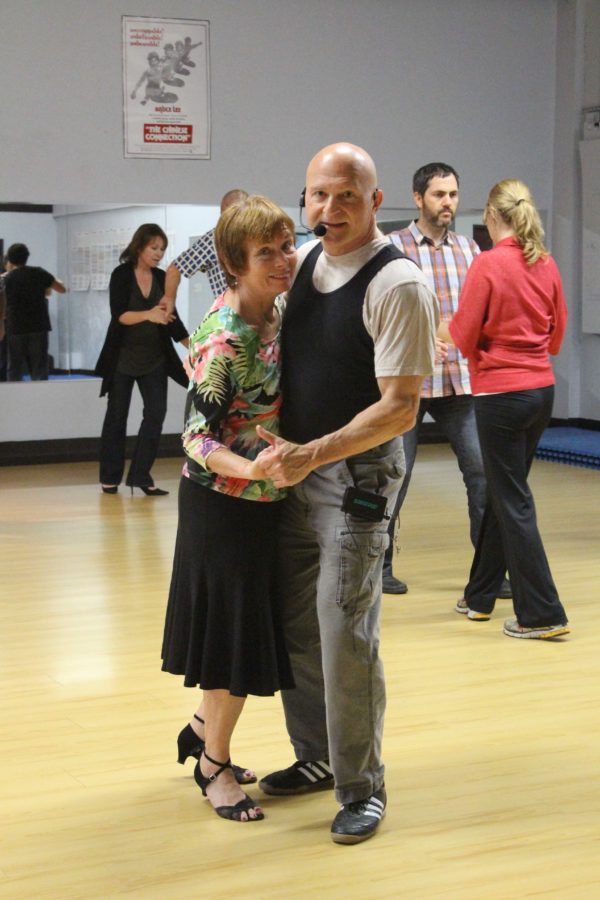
[{"x": 331, "y": 567}]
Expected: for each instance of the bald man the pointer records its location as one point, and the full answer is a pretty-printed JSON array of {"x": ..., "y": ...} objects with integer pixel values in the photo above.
[
  {"x": 357, "y": 340},
  {"x": 200, "y": 257}
]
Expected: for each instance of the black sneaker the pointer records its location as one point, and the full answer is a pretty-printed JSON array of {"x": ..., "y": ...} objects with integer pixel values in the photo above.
[
  {"x": 302, "y": 777},
  {"x": 358, "y": 821},
  {"x": 391, "y": 585}
]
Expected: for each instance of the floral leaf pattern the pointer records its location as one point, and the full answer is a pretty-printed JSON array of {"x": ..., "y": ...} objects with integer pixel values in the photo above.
[{"x": 234, "y": 386}]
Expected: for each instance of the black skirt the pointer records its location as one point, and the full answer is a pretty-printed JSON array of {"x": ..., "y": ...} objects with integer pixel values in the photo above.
[{"x": 222, "y": 628}]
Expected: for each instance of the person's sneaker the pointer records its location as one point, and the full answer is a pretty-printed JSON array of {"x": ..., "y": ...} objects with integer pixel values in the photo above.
[
  {"x": 358, "y": 821},
  {"x": 300, "y": 778},
  {"x": 391, "y": 585},
  {"x": 505, "y": 591},
  {"x": 463, "y": 607},
  {"x": 513, "y": 629}
]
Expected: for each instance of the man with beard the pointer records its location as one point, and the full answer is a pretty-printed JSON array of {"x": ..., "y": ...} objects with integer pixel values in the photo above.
[{"x": 444, "y": 258}]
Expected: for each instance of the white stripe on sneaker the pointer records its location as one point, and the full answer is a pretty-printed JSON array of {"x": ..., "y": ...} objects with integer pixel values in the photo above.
[
  {"x": 315, "y": 772},
  {"x": 374, "y": 808}
]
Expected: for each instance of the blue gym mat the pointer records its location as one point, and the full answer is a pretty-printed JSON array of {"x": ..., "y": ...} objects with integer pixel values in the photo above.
[{"x": 573, "y": 446}]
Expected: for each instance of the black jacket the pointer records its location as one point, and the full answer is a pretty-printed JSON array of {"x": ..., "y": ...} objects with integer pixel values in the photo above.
[{"x": 121, "y": 285}]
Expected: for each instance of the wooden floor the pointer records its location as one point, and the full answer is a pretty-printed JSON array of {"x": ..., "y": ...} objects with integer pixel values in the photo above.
[{"x": 492, "y": 744}]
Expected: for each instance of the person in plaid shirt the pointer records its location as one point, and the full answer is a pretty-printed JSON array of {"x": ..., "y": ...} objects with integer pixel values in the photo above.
[
  {"x": 444, "y": 258},
  {"x": 200, "y": 257}
]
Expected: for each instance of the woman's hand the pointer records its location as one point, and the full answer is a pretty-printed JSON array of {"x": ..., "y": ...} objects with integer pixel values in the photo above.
[
  {"x": 159, "y": 316},
  {"x": 256, "y": 470},
  {"x": 225, "y": 462}
]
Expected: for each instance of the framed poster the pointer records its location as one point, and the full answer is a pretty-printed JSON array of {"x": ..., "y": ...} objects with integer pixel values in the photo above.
[{"x": 166, "y": 88}]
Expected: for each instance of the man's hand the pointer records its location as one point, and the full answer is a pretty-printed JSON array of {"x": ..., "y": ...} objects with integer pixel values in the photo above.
[
  {"x": 441, "y": 350},
  {"x": 283, "y": 462}
]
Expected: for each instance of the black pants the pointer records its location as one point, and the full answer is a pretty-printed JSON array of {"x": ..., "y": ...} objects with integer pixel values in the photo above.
[
  {"x": 3, "y": 358},
  {"x": 28, "y": 353},
  {"x": 510, "y": 426},
  {"x": 153, "y": 388},
  {"x": 456, "y": 417}
]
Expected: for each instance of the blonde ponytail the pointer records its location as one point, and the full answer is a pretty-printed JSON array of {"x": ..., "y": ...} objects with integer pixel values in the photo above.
[{"x": 512, "y": 200}]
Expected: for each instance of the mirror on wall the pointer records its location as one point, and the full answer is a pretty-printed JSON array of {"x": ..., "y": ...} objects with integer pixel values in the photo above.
[{"x": 81, "y": 244}]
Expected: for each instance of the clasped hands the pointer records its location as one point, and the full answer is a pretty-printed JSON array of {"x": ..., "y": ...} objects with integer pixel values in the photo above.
[
  {"x": 283, "y": 462},
  {"x": 159, "y": 315}
]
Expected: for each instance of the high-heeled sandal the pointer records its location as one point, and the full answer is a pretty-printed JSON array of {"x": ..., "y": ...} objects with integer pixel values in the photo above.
[
  {"x": 189, "y": 744},
  {"x": 226, "y": 812}
]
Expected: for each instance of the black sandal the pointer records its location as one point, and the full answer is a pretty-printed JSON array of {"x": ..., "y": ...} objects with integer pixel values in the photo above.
[
  {"x": 226, "y": 812},
  {"x": 189, "y": 744}
]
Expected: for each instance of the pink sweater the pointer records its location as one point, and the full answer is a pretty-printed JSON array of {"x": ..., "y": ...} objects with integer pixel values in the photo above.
[{"x": 510, "y": 317}]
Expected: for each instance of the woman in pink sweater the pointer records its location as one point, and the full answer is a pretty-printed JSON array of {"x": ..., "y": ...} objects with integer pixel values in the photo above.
[{"x": 511, "y": 316}]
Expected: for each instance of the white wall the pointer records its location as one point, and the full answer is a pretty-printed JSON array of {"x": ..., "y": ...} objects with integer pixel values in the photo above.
[
  {"x": 37, "y": 230},
  {"x": 578, "y": 63},
  {"x": 51, "y": 410},
  {"x": 411, "y": 81}
]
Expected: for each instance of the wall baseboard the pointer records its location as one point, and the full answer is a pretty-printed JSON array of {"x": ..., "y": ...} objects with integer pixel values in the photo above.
[
  {"x": 71, "y": 450},
  {"x": 589, "y": 424}
]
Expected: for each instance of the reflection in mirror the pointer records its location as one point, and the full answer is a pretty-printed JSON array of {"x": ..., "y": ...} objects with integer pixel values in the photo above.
[{"x": 81, "y": 244}]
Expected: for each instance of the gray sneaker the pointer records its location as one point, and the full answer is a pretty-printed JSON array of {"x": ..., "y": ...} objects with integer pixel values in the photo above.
[
  {"x": 463, "y": 607},
  {"x": 544, "y": 632}
]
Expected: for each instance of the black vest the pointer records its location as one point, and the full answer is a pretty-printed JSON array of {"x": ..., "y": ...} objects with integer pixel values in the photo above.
[{"x": 328, "y": 358}]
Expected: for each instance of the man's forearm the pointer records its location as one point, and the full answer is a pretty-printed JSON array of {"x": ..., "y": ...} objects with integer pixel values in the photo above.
[
  {"x": 287, "y": 463},
  {"x": 172, "y": 280},
  {"x": 373, "y": 426}
]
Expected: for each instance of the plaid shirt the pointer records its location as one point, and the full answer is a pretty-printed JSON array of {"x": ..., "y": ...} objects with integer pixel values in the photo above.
[
  {"x": 445, "y": 268},
  {"x": 202, "y": 257}
]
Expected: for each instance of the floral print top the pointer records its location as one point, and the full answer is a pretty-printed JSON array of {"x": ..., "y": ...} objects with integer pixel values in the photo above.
[{"x": 234, "y": 387}]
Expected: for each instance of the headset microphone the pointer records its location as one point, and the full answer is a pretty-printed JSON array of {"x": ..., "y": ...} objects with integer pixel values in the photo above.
[{"x": 319, "y": 230}]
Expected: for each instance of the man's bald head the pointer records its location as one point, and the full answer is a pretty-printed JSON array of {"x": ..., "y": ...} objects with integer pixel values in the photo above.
[
  {"x": 231, "y": 197},
  {"x": 347, "y": 160},
  {"x": 342, "y": 195}
]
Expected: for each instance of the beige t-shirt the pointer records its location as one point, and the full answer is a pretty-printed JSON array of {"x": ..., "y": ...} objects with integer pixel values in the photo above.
[{"x": 400, "y": 312}]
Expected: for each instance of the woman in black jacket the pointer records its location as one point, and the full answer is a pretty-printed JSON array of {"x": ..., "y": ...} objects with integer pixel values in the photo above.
[{"x": 138, "y": 348}]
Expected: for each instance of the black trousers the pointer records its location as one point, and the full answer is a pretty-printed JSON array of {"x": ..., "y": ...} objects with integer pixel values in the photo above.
[
  {"x": 153, "y": 388},
  {"x": 456, "y": 417},
  {"x": 509, "y": 427},
  {"x": 3, "y": 358},
  {"x": 28, "y": 353}
]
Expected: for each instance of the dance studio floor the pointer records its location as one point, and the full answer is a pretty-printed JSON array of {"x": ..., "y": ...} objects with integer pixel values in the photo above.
[{"x": 491, "y": 744}]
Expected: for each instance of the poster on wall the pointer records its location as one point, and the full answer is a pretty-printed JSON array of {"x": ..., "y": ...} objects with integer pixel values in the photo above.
[{"x": 166, "y": 99}]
